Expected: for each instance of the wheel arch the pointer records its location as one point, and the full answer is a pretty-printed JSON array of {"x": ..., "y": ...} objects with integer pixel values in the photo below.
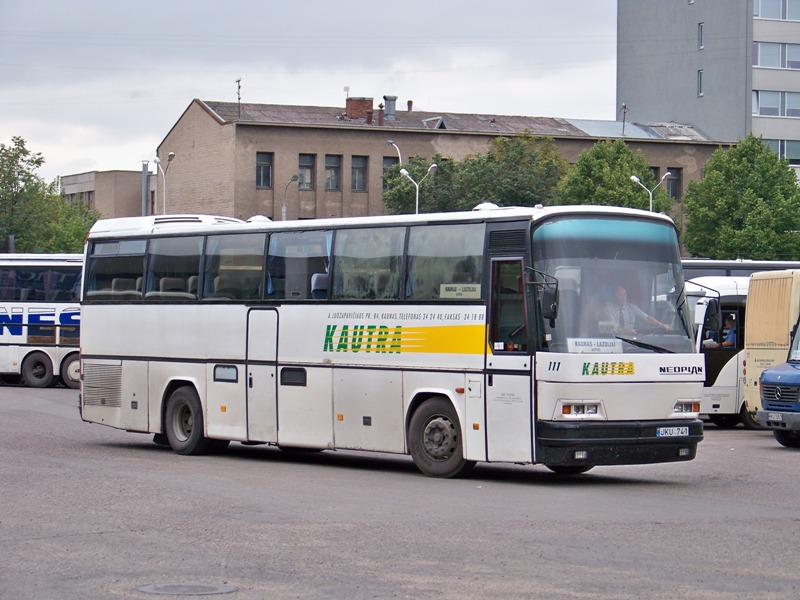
[
  {"x": 420, "y": 397},
  {"x": 169, "y": 389}
]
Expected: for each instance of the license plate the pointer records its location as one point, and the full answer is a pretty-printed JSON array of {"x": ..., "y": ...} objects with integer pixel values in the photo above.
[
  {"x": 672, "y": 431},
  {"x": 775, "y": 417}
]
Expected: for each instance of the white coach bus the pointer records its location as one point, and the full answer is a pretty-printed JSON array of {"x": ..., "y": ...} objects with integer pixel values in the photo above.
[
  {"x": 479, "y": 336},
  {"x": 40, "y": 317}
]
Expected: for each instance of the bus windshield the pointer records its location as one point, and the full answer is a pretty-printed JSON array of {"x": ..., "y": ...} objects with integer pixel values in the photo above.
[{"x": 620, "y": 285}]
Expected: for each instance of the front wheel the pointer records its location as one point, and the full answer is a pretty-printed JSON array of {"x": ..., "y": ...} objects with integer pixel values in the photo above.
[
  {"x": 183, "y": 423},
  {"x": 37, "y": 370},
  {"x": 788, "y": 439},
  {"x": 71, "y": 372},
  {"x": 434, "y": 436}
]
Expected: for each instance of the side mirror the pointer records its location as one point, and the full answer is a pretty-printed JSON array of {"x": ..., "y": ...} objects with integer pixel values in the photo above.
[
  {"x": 713, "y": 316},
  {"x": 550, "y": 304}
]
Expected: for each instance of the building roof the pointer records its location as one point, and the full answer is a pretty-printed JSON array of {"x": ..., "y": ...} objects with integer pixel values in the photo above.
[{"x": 412, "y": 120}]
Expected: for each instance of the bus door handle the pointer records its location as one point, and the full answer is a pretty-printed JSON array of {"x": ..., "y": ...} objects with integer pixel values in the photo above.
[
  {"x": 490, "y": 379},
  {"x": 250, "y": 380}
]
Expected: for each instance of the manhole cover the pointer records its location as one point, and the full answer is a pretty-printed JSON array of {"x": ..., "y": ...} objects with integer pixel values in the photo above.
[{"x": 186, "y": 589}]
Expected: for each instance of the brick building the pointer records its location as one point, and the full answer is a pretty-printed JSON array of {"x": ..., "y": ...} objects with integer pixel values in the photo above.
[{"x": 239, "y": 159}]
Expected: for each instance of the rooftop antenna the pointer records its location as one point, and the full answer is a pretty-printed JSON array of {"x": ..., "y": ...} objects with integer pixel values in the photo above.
[
  {"x": 347, "y": 91},
  {"x": 239, "y": 96},
  {"x": 624, "y": 115}
]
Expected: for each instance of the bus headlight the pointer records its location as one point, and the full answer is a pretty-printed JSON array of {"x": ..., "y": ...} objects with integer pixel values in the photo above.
[
  {"x": 583, "y": 409},
  {"x": 686, "y": 408}
]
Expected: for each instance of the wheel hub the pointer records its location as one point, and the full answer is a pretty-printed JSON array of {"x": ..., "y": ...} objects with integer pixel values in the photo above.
[{"x": 439, "y": 438}]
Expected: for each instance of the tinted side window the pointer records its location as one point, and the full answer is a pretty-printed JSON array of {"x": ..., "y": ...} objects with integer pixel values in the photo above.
[
  {"x": 115, "y": 271},
  {"x": 173, "y": 268},
  {"x": 234, "y": 267},
  {"x": 367, "y": 263},
  {"x": 445, "y": 262},
  {"x": 295, "y": 257}
]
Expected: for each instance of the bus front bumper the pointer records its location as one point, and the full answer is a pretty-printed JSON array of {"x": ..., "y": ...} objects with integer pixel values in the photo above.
[
  {"x": 617, "y": 442},
  {"x": 776, "y": 419}
]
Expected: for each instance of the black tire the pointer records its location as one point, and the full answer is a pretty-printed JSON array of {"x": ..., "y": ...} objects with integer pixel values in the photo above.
[
  {"x": 183, "y": 423},
  {"x": 725, "y": 421},
  {"x": 748, "y": 420},
  {"x": 70, "y": 372},
  {"x": 788, "y": 439},
  {"x": 434, "y": 437},
  {"x": 37, "y": 370},
  {"x": 569, "y": 469}
]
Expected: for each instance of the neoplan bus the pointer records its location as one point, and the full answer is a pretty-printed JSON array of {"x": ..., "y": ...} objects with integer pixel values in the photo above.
[
  {"x": 460, "y": 337},
  {"x": 723, "y": 394},
  {"x": 40, "y": 317}
]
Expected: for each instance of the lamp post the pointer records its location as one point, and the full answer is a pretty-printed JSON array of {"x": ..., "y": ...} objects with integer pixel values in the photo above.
[
  {"x": 635, "y": 179},
  {"x": 399, "y": 158},
  {"x": 163, "y": 170},
  {"x": 405, "y": 174},
  {"x": 286, "y": 189}
]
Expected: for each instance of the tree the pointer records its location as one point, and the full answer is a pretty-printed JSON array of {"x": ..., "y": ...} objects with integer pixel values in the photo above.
[
  {"x": 602, "y": 175},
  {"x": 516, "y": 171},
  {"x": 34, "y": 212},
  {"x": 747, "y": 205}
]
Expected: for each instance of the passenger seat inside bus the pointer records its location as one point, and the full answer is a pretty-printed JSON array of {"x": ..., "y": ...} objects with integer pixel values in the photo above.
[
  {"x": 319, "y": 286},
  {"x": 123, "y": 288}
]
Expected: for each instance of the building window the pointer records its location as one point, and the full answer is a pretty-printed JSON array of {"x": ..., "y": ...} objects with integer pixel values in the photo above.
[
  {"x": 359, "y": 174},
  {"x": 767, "y": 9},
  {"x": 674, "y": 182},
  {"x": 767, "y": 54},
  {"x": 793, "y": 56},
  {"x": 388, "y": 163},
  {"x": 700, "y": 82},
  {"x": 793, "y": 10},
  {"x": 776, "y": 104},
  {"x": 769, "y": 103},
  {"x": 333, "y": 172},
  {"x": 700, "y": 42},
  {"x": 263, "y": 170},
  {"x": 306, "y": 171},
  {"x": 788, "y": 149}
]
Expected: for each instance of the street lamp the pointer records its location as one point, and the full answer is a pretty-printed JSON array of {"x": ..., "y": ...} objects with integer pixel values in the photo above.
[
  {"x": 286, "y": 189},
  {"x": 391, "y": 143},
  {"x": 405, "y": 174},
  {"x": 635, "y": 179},
  {"x": 163, "y": 170}
]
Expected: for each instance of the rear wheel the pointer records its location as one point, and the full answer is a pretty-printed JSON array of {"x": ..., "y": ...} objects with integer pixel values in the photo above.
[
  {"x": 789, "y": 439},
  {"x": 71, "y": 372},
  {"x": 183, "y": 423},
  {"x": 37, "y": 370},
  {"x": 434, "y": 436}
]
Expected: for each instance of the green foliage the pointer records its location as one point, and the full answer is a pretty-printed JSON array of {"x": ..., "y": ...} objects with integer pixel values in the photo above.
[
  {"x": 602, "y": 175},
  {"x": 38, "y": 217},
  {"x": 518, "y": 171},
  {"x": 747, "y": 205}
]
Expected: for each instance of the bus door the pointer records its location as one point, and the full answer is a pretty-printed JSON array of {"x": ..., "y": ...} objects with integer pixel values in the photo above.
[
  {"x": 509, "y": 402},
  {"x": 261, "y": 368}
]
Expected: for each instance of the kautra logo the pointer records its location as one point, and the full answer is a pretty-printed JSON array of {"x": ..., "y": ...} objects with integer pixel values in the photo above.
[{"x": 362, "y": 338}]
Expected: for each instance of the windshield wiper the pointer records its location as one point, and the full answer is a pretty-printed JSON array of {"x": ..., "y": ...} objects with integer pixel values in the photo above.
[{"x": 646, "y": 346}]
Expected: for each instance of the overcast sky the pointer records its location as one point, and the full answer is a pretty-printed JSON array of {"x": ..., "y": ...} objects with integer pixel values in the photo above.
[{"x": 97, "y": 84}]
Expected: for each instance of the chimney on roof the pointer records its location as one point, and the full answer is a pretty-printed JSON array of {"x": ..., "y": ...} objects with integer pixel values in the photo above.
[
  {"x": 391, "y": 103},
  {"x": 356, "y": 108},
  {"x": 410, "y": 105},
  {"x": 380, "y": 115},
  {"x": 369, "y": 117}
]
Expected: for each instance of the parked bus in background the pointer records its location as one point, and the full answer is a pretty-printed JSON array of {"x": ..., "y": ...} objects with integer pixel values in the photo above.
[
  {"x": 487, "y": 335},
  {"x": 738, "y": 267},
  {"x": 40, "y": 318},
  {"x": 773, "y": 307}
]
